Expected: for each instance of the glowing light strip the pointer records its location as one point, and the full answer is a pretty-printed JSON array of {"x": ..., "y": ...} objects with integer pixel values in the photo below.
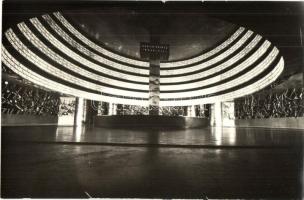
[
  {"x": 36, "y": 23},
  {"x": 89, "y": 53},
  {"x": 98, "y": 48},
  {"x": 256, "y": 86},
  {"x": 26, "y": 73},
  {"x": 63, "y": 62},
  {"x": 207, "y": 54},
  {"x": 35, "y": 78},
  {"x": 224, "y": 86},
  {"x": 32, "y": 57},
  {"x": 216, "y": 59},
  {"x": 40, "y": 80},
  {"x": 216, "y": 69},
  {"x": 235, "y": 70}
]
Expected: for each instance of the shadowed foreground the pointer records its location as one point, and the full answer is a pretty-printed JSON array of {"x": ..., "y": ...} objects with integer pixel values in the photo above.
[{"x": 48, "y": 162}]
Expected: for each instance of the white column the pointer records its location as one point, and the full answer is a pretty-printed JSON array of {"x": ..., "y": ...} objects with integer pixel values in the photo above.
[
  {"x": 84, "y": 114},
  {"x": 228, "y": 118},
  {"x": 79, "y": 112},
  {"x": 216, "y": 114},
  {"x": 193, "y": 111},
  {"x": 188, "y": 111},
  {"x": 110, "y": 109},
  {"x": 114, "y": 109},
  {"x": 201, "y": 109}
]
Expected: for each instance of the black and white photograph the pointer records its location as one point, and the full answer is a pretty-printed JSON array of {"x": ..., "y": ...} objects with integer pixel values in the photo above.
[{"x": 152, "y": 99}]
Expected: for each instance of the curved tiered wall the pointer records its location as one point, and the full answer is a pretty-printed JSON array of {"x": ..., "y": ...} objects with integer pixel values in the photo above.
[{"x": 49, "y": 51}]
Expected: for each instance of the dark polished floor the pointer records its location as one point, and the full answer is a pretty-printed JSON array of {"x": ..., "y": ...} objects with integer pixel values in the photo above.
[{"x": 61, "y": 162}]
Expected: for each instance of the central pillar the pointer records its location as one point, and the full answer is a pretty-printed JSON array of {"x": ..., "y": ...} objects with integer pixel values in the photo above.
[
  {"x": 154, "y": 52},
  {"x": 154, "y": 87}
]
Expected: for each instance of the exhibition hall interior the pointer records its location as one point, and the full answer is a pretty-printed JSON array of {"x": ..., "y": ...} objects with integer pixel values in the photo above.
[{"x": 122, "y": 99}]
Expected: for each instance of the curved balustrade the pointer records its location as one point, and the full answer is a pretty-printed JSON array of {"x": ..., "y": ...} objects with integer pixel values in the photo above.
[
  {"x": 222, "y": 56},
  {"x": 72, "y": 64},
  {"x": 32, "y": 57},
  {"x": 235, "y": 70},
  {"x": 205, "y": 55},
  {"x": 89, "y": 53},
  {"x": 215, "y": 69},
  {"x": 35, "y": 78},
  {"x": 28, "y": 74},
  {"x": 70, "y": 53},
  {"x": 199, "y": 58},
  {"x": 249, "y": 89},
  {"x": 96, "y": 47},
  {"x": 224, "y": 86}
]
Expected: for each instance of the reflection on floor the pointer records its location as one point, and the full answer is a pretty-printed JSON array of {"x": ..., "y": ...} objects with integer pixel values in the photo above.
[
  {"x": 49, "y": 162},
  {"x": 207, "y": 136}
]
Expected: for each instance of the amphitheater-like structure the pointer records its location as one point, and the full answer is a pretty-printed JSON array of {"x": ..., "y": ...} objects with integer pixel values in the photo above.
[{"x": 51, "y": 52}]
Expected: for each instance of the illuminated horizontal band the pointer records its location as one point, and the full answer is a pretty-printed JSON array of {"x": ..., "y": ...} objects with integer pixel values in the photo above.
[
  {"x": 254, "y": 87},
  {"x": 205, "y": 55},
  {"x": 75, "y": 61},
  {"x": 89, "y": 53},
  {"x": 237, "y": 81},
  {"x": 98, "y": 48},
  {"x": 81, "y": 59},
  {"x": 43, "y": 65},
  {"x": 35, "y": 78},
  {"x": 91, "y": 44},
  {"x": 214, "y": 60},
  {"x": 71, "y": 66},
  {"x": 235, "y": 70},
  {"x": 215, "y": 69}
]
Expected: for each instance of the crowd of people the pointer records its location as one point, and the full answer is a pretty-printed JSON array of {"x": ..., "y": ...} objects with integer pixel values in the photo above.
[
  {"x": 287, "y": 103},
  {"x": 22, "y": 99}
]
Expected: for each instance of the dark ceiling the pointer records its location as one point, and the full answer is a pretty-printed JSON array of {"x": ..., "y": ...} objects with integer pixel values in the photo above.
[
  {"x": 279, "y": 22},
  {"x": 123, "y": 29}
]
